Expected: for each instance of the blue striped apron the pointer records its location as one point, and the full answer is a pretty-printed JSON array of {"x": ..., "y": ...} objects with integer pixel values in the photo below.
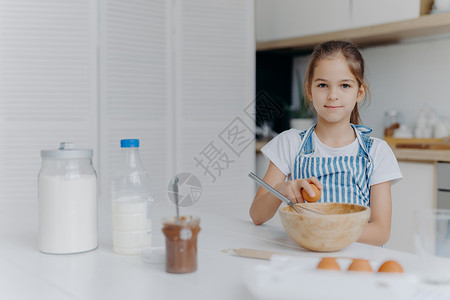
[{"x": 345, "y": 179}]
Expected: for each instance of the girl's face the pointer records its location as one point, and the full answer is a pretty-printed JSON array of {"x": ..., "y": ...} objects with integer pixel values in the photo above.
[{"x": 334, "y": 90}]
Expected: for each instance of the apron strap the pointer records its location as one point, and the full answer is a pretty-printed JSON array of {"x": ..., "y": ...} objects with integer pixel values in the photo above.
[
  {"x": 363, "y": 129},
  {"x": 365, "y": 141},
  {"x": 306, "y": 146}
]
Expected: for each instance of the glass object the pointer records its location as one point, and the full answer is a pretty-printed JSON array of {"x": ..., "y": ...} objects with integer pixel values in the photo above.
[
  {"x": 67, "y": 192},
  {"x": 181, "y": 243},
  {"x": 432, "y": 241},
  {"x": 391, "y": 122},
  {"x": 130, "y": 196}
]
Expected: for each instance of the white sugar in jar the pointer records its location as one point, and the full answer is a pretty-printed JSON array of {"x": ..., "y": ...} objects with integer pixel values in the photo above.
[{"x": 67, "y": 194}]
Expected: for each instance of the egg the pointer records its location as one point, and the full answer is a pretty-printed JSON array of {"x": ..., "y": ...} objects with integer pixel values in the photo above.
[
  {"x": 360, "y": 265},
  {"x": 308, "y": 198},
  {"x": 328, "y": 263},
  {"x": 391, "y": 266}
]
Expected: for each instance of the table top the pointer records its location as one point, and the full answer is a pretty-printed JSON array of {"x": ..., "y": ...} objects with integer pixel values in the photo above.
[{"x": 102, "y": 274}]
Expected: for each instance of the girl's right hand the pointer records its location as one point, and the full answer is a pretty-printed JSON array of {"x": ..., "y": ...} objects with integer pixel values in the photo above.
[
  {"x": 292, "y": 189},
  {"x": 265, "y": 205}
]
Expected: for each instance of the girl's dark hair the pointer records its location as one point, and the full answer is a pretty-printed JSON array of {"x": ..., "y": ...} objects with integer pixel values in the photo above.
[{"x": 355, "y": 63}]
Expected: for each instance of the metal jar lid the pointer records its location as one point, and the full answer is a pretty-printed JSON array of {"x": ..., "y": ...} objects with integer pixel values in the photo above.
[{"x": 67, "y": 150}]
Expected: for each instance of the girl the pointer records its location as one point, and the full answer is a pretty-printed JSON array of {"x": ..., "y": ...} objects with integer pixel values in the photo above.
[{"x": 335, "y": 154}]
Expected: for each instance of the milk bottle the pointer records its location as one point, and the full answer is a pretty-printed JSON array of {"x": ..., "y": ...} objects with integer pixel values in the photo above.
[{"x": 130, "y": 195}]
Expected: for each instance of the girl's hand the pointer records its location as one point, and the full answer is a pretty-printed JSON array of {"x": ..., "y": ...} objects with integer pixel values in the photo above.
[
  {"x": 292, "y": 189},
  {"x": 265, "y": 205}
]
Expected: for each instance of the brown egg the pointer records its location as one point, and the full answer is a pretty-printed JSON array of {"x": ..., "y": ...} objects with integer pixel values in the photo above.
[
  {"x": 391, "y": 266},
  {"x": 360, "y": 265},
  {"x": 328, "y": 263},
  {"x": 308, "y": 198}
]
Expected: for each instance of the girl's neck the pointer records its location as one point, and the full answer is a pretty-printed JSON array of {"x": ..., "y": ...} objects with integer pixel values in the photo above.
[{"x": 335, "y": 135}]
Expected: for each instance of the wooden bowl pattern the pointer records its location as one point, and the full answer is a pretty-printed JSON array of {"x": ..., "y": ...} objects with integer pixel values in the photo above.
[{"x": 341, "y": 225}]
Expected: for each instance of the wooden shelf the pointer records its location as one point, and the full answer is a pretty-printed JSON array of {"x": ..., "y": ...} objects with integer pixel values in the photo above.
[
  {"x": 426, "y": 25},
  {"x": 393, "y": 142},
  {"x": 420, "y": 155},
  {"x": 420, "y": 150}
]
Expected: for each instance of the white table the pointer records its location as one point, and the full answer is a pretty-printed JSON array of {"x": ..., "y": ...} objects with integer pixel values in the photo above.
[{"x": 100, "y": 274}]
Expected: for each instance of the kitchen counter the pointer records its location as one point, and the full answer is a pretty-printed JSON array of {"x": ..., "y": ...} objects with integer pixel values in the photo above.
[
  {"x": 420, "y": 150},
  {"x": 101, "y": 274},
  {"x": 422, "y": 155}
]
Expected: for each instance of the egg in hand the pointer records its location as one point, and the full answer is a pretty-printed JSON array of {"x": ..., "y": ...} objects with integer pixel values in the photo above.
[{"x": 308, "y": 198}]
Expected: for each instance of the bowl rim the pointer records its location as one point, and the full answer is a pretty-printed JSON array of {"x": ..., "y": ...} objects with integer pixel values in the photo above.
[{"x": 366, "y": 209}]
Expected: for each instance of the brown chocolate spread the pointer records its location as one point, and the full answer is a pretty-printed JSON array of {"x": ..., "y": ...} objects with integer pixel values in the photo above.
[{"x": 181, "y": 244}]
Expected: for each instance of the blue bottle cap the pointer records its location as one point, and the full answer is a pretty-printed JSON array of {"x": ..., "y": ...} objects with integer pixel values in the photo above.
[{"x": 129, "y": 143}]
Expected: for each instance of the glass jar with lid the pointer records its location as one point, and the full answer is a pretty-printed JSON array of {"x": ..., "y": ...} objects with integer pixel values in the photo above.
[
  {"x": 67, "y": 192},
  {"x": 391, "y": 122}
]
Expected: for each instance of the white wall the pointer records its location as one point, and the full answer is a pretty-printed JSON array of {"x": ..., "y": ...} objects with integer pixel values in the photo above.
[{"x": 405, "y": 76}]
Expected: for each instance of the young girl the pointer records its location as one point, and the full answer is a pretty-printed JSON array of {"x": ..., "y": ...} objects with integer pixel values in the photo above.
[{"x": 336, "y": 154}]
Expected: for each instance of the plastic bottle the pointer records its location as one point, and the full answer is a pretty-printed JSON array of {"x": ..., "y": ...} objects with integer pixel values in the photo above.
[{"x": 130, "y": 194}]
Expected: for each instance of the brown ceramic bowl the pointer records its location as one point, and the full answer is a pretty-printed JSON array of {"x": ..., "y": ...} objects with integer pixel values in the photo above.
[{"x": 341, "y": 225}]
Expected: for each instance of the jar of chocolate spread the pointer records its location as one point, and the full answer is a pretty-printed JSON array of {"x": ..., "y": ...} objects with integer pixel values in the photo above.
[{"x": 181, "y": 243}]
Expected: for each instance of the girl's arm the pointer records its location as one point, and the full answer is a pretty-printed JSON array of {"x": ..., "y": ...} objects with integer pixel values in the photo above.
[
  {"x": 378, "y": 230},
  {"x": 265, "y": 205}
]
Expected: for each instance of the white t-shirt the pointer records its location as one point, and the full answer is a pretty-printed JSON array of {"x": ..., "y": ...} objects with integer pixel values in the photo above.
[{"x": 283, "y": 149}]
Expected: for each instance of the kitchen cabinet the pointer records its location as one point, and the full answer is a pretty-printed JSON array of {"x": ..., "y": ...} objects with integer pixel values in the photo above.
[
  {"x": 423, "y": 26},
  {"x": 416, "y": 191},
  {"x": 443, "y": 185},
  {"x": 289, "y": 18}
]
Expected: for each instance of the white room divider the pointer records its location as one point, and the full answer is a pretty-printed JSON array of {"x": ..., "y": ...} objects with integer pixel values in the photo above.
[
  {"x": 178, "y": 75},
  {"x": 48, "y": 86}
]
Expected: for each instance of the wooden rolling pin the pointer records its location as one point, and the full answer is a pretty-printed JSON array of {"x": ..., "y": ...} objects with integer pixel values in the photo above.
[
  {"x": 253, "y": 253},
  {"x": 262, "y": 254}
]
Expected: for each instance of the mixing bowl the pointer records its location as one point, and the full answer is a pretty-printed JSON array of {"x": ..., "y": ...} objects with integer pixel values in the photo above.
[{"x": 340, "y": 225}]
